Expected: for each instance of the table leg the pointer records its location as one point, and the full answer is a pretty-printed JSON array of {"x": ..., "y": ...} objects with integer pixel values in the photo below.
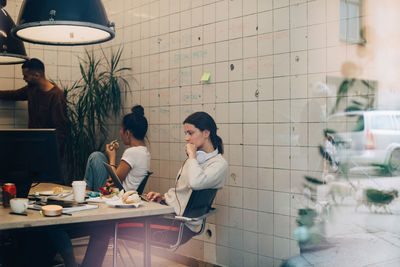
[
  {"x": 115, "y": 245},
  {"x": 147, "y": 240}
]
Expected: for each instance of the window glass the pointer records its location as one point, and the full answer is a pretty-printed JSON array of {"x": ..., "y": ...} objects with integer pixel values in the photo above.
[
  {"x": 382, "y": 122},
  {"x": 346, "y": 123}
]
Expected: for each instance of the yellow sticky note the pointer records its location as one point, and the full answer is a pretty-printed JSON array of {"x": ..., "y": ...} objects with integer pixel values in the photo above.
[{"x": 205, "y": 77}]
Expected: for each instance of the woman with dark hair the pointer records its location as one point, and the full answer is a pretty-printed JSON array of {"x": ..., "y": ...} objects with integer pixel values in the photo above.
[
  {"x": 132, "y": 169},
  {"x": 135, "y": 161},
  {"x": 205, "y": 168},
  {"x": 203, "y": 121}
]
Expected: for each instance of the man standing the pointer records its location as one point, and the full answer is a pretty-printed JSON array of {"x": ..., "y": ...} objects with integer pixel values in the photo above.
[
  {"x": 46, "y": 109},
  {"x": 46, "y": 102}
]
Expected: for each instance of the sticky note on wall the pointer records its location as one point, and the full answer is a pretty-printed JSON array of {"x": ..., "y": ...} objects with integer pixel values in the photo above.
[{"x": 205, "y": 77}]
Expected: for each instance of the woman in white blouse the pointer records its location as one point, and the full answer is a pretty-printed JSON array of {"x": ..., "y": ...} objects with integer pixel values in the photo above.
[{"x": 204, "y": 168}]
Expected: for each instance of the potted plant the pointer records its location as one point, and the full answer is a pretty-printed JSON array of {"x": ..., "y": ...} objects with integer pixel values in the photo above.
[{"x": 91, "y": 102}]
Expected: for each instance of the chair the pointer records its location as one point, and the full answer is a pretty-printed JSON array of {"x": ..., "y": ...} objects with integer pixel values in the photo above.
[
  {"x": 143, "y": 183},
  {"x": 198, "y": 209}
]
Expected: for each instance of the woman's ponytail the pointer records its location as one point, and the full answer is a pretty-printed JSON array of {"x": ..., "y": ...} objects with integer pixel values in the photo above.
[{"x": 219, "y": 144}]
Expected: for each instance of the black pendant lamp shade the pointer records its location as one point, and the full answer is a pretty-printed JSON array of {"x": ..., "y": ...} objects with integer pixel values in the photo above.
[
  {"x": 12, "y": 50},
  {"x": 63, "y": 22}
]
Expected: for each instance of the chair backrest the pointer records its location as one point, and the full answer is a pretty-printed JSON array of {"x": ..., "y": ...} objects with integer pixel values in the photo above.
[
  {"x": 200, "y": 202},
  {"x": 143, "y": 183}
]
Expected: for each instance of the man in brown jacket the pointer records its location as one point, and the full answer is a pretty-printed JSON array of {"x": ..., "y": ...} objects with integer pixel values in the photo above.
[
  {"x": 46, "y": 109},
  {"x": 46, "y": 102}
]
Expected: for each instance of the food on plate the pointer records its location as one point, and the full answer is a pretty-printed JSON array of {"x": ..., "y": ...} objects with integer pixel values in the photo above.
[
  {"x": 58, "y": 190},
  {"x": 114, "y": 190},
  {"x": 109, "y": 190},
  {"x": 108, "y": 196},
  {"x": 110, "y": 193},
  {"x": 130, "y": 197}
]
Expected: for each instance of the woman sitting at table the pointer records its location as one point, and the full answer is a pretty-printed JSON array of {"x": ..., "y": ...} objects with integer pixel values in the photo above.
[
  {"x": 204, "y": 168},
  {"x": 132, "y": 169},
  {"x": 135, "y": 161}
]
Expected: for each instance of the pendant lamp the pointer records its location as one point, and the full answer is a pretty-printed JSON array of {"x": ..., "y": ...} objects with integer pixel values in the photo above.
[
  {"x": 12, "y": 50},
  {"x": 63, "y": 22}
]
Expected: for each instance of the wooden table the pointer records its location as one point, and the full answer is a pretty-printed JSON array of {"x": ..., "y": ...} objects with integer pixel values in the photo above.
[{"x": 103, "y": 213}]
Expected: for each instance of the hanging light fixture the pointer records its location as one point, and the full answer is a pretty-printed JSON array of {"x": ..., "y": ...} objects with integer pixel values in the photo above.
[
  {"x": 63, "y": 22},
  {"x": 12, "y": 50}
]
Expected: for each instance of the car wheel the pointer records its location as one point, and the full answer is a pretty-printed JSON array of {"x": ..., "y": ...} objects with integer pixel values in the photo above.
[{"x": 394, "y": 163}]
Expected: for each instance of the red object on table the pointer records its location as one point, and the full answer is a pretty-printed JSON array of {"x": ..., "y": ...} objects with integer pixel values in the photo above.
[
  {"x": 105, "y": 192},
  {"x": 9, "y": 192}
]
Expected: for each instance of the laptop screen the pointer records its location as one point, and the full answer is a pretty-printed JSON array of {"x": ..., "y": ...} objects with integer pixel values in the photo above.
[{"x": 113, "y": 175}]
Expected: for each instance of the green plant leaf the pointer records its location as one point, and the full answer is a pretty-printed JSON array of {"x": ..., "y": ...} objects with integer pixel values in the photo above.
[
  {"x": 343, "y": 90},
  {"x": 313, "y": 180},
  {"x": 325, "y": 155},
  {"x": 353, "y": 108},
  {"x": 306, "y": 217},
  {"x": 328, "y": 131},
  {"x": 357, "y": 103}
]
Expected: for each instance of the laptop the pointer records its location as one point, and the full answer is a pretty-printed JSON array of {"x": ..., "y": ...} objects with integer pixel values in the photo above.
[{"x": 114, "y": 176}]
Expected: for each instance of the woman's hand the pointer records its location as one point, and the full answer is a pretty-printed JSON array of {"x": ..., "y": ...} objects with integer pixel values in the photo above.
[
  {"x": 191, "y": 150},
  {"x": 111, "y": 152},
  {"x": 154, "y": 196}
]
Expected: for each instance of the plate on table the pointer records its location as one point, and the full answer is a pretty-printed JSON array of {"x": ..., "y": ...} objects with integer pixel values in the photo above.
[
  {"x": 103, "y": 199},
  {"x": 119, "y": 204}
]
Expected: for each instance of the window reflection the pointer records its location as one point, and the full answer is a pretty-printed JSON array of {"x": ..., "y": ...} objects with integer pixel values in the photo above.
[{"x": 350, "y": 21}]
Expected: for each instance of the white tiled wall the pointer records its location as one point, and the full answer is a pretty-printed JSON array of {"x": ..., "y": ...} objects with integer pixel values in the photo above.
[{"x": 266, "y": 59}]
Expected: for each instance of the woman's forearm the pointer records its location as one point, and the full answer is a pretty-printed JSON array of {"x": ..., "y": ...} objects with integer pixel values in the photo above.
[{"x": 112, "y": 161}]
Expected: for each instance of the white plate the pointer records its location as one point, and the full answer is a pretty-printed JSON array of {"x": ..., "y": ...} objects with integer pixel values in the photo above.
[
  {"x": 102, "y": 199},
  {"x": 119, "y": 204}
]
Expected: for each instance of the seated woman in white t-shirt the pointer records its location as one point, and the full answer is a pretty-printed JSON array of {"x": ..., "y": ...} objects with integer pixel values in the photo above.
[
  {"x": 132, "y": 169},
  {"x": 135, "y": 161}
]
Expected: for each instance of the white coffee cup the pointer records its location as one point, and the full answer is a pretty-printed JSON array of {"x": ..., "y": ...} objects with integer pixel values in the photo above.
[
  {"x": 79, "y": 188},
  {"x": 19, "y": 205}
]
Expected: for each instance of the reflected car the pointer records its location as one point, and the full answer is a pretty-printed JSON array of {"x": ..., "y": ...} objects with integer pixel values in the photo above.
[{"x": 363, "y": 138}]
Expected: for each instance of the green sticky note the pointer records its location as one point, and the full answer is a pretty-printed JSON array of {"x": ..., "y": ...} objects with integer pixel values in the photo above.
[{"x": 205, "y": 77}]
